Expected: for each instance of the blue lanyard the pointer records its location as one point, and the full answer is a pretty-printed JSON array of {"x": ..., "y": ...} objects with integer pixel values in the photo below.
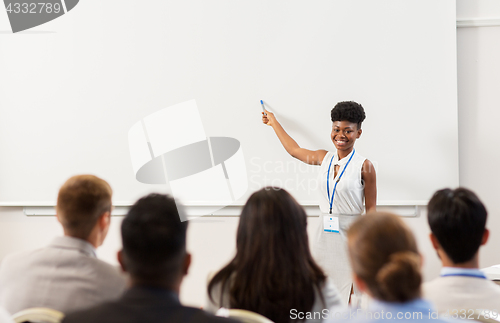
[
  {"x": 337, "y": 181},
  {"x": 466, "y": 275}
]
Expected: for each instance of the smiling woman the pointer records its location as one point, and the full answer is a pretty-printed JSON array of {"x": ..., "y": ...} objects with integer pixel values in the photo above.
[{"x": 346, "y": 181}]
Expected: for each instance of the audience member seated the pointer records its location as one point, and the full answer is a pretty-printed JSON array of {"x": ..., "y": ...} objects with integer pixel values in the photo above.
[
  {"x": 154, "y": 254},
  {"x": 457, "y": 219},
  {"x": 66, "y": 275},
  {"x": 386, "y": 265},
  {"x": 273, "y": 272}
]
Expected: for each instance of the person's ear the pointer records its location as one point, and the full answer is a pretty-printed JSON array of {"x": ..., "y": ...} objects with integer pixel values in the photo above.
[
  {"x": 121, "y": 261},
  {"x": 186, "y": 264},
  {"x": 360, "y": 131},
  {"x": 58, "y": 217},
  {"x": 486, "y": 235},
  {"x": 105, "y": 220},
  {"x": 360, "y": 284},
  {"x": 434, "y": 240}
]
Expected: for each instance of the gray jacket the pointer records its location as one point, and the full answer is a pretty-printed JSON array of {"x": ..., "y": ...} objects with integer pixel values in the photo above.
[{"x": 65, "y": 276}]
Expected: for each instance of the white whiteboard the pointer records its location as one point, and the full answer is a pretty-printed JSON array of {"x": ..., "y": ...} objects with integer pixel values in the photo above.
[{"x": 71, "y": 89}]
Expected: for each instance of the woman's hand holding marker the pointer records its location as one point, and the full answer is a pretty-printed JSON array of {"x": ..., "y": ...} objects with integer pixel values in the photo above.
[{"x": 268, "y": 119}]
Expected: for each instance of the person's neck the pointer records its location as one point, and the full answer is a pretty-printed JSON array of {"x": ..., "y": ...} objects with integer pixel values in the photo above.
[
  {"x": 471, "y": 264},
  {"x": 90, "y": 239},
  {"x": 134, "y": 282},
  {"x": 344, "y": 153}
]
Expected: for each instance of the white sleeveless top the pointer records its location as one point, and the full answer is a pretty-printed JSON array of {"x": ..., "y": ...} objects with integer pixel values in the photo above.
[{"x": 349, "y": 195}]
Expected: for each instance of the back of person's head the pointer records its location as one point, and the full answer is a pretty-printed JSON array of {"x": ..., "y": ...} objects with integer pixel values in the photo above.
[
  {"x": 273, "y": 270},
  {"x": 348, "y": 111},
  {"x": 457, "y": 219},
  {"x": 154, "y": 241},
  {"x": 384, "y": 255},
  {"x": 82, "y": 200}
]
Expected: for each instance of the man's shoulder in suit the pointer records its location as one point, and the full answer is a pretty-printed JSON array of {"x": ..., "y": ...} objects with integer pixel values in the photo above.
[{"x": 118, "y": 312}]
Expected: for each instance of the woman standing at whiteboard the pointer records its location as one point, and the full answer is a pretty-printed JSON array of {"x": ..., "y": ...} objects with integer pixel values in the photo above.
[{"x": 346, "y": 180}]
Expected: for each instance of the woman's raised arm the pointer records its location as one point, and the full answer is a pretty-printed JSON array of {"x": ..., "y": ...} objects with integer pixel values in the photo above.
[{"x": 311, "y": 157}]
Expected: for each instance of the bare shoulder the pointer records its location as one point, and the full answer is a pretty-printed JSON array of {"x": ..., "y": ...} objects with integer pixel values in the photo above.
[
  {"x": 368, "y": 167},
  {"x": 368, "y": 171}
]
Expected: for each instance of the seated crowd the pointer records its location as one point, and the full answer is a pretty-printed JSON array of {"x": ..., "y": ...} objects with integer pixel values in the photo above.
[{"x": 272, "y": 273}]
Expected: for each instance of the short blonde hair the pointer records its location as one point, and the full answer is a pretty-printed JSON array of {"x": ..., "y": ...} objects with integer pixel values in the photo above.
[{"x": 80, "y": 203}]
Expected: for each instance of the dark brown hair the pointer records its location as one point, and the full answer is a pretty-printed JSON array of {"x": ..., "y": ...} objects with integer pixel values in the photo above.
[
  {"x": 273, "y": 270},
  {"x": 384, "y": 254},
  {"x": 458, "y": 220},
  {"x": 80, "y": 203}
]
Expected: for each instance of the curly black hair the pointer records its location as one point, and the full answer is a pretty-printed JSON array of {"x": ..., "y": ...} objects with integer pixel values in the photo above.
[{"x": 349, "y": 111}]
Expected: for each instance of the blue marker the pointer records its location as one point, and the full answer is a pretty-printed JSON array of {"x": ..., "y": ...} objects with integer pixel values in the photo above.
[{"x": 263, "y": 109}]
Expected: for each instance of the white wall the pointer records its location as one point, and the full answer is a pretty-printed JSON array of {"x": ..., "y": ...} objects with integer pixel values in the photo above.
[
  {"x": 212, "y": 240},
  {"x": 480, "y": 9},
  {"x": 478, "y": 112}
]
